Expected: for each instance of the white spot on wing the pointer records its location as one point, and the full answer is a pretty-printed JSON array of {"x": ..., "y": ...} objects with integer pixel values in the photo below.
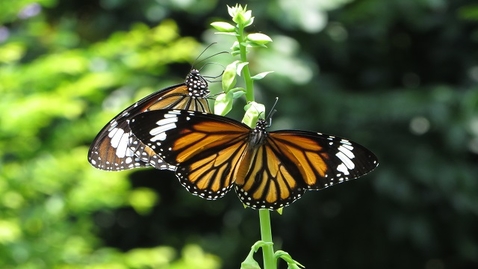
[
  {"x": 345, "y": 160},
  {"x": 167, "y": 120},
  {"x": 123, "y": 145},
  {"x": 158, "y": 133},
  {"x": 115, "y": 135},
  {"x": 172, "y": 113},
  {"x": 342, "y": 168},
  {"x": 346, "y": 149}
]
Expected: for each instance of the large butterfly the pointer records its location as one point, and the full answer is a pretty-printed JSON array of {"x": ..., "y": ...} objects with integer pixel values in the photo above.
[
  {"x": 110, "y": 150},
  {"x": 267, "y": 169}
]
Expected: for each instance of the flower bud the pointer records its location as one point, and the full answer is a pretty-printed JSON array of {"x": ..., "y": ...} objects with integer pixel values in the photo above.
[
  {"x": 229, "y": 76},
  {"x": 240, "y": 15},
  {"x": 253, "y": 112},
  {"x": 259, "y": 39},
  {"x": 223, "y": 103},
  {"x": 223, "y": 26}
]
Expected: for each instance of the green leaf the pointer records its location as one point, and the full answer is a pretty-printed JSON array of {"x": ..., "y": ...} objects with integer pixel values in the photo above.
[
  {"x": 240, "y": 66},
  {"x": 469, "y": 12},
  {"x": 261, "y": 75},
  {"x": 142, "y": 200},
  {"x": 223, "y": 103},
  {"x": 292, "y": 264},
  {"x": 238, "y": 92}
]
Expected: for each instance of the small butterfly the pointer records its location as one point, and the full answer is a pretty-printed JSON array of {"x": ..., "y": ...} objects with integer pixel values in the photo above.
[{"x": 110, "y": 150}]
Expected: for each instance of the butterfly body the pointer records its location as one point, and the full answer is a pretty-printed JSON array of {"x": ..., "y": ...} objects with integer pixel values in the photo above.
[
  {"x": 111, "y": 149},
  {"x": 267, "y": 169}
]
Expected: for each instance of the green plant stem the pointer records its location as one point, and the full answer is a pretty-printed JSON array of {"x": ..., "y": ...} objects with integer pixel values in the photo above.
[
  {"x": 264, "y": 214},
  {"x": 246, "y": 73},
  {"x": 266, "y": 236}
]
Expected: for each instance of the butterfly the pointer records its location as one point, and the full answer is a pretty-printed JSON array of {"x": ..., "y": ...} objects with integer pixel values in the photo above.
[
  {"x": 268, "y": 170},
  {"x": 110, "y": 149}
]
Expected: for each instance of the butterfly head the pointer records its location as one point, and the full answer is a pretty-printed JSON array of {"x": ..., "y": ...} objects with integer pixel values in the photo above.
[
  {"x": 259, "y": 133},
  {"x": 197, "y": 85}
]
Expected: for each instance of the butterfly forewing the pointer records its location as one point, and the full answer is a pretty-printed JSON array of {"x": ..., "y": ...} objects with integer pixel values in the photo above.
[
  {"x": 205, "y": 152},
  {"x": 116, "y": 148},
  {"x": 322, "y": 160}
]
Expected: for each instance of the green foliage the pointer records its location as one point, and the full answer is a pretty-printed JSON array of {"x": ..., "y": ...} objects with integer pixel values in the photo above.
[
  {"x": 50, "y": 112},
  {"x": 398, "y": 76}
]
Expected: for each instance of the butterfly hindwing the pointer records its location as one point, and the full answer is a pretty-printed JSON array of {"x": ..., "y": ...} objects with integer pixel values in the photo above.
[{"x": 269, "y": 181}]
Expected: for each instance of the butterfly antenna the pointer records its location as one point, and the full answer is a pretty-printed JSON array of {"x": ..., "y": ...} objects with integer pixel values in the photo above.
[
  {"x": 196, "y": 61},
  {"x": 200, "y": 54},
  {"x": 273, "y": 109},
  {"x": 212, "y": 78},
  {"x": 272, "y": 112}
]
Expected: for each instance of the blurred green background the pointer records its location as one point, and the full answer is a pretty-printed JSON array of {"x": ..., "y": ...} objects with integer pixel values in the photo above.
[{"x": 398, "y": 76}]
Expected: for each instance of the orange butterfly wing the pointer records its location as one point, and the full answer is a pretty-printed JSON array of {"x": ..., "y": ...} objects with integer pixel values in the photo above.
[
  {"x": 269, "y": 170},
  {"x": 207, "y": 153},
  {"x": 290, "y": 162},
  {"x": 112, "y": 148}
]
